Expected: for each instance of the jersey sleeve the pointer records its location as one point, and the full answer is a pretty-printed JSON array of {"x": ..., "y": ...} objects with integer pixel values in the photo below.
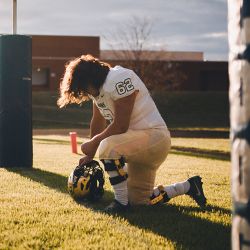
[{"x": 125, "y": 86}]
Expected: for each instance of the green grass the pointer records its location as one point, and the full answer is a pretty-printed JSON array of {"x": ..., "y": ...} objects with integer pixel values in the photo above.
[
  {"x": 182, "y": 110},
  {"x": 36, "y": 211}
]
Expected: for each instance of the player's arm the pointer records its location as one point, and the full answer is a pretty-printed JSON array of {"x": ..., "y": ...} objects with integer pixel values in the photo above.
[
  {"x": 122, "y": 113},
  {"x": 98, "y": 123},
  {"x": 123, "y": 108}
]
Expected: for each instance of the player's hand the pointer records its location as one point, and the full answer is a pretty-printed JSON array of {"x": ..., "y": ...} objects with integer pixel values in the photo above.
[
  {"x": 85, "y": 160},
  {"x": 89, "y": 148}
]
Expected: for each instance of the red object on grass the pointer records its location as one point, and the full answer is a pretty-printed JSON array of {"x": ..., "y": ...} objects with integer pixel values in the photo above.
[{"x": 73, "y": 136}]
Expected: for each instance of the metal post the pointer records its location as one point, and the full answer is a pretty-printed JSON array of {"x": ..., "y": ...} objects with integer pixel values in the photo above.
[{"x": 14, "y": 17}]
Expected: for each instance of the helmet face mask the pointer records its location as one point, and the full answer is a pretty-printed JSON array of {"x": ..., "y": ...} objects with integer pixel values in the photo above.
[{"x": 86, "y": 182}]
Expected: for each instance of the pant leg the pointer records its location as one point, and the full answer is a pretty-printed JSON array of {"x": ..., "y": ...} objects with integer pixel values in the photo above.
[
  {"x": 141, "y": 181},
  {"x": 144, "y": 151},
  {"x": 142, "y": 173}
]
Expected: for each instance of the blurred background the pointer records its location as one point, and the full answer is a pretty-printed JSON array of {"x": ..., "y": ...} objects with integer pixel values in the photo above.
[{"x": 179, "y": 49}]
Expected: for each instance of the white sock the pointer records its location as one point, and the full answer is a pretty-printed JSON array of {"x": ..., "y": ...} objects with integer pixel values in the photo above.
[
  {"x": 120, "y": 189},
  {"x": 174, "y": 189},
  {"x": 121, "y": 192}
]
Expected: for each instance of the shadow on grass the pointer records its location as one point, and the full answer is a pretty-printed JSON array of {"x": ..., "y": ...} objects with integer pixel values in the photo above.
[
  {"x": 204, "y": 153},
  {"x": 51, "y": 141},
  {"x": 189, "y": 151},
  {"x": 57, "y": 182},
  {"x": 176, "y": 223},
  {"x": 48, "y": 179},
  {"x": 202, "y": 133}
]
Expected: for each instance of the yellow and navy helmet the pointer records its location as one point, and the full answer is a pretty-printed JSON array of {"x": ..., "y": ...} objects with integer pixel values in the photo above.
[{"x": 86, "y": 182}]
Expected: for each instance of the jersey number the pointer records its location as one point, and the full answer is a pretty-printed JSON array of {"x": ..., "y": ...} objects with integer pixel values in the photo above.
[{"x": 123, "y": 87}]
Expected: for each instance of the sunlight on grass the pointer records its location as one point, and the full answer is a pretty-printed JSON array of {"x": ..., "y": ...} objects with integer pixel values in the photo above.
[
  {"x": 203, "y": 143},
  {"x": 37, "y": 213}
]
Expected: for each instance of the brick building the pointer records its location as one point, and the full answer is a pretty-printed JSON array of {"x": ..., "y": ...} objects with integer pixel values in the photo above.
[{"x": 50, "y": 53}]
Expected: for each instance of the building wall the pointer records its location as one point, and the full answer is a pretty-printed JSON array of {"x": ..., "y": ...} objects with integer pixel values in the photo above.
[
  {"x": 191, "y": 75},
  {"x": 50, "y": 54},
  {"x": 153, "y": 55},
  {"x": 205, "y": 76}
]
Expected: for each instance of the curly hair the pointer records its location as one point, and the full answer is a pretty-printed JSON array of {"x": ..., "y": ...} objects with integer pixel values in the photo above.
[{"x": 80, "y": 73}]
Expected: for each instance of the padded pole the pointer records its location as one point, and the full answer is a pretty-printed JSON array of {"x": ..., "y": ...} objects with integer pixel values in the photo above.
[
  {"x": 15, "y": 101},
  {"x": 239, "y": 94}
]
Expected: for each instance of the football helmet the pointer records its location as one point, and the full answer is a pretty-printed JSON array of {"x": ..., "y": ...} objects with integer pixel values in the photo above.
[{"x": 86, "y": 182}]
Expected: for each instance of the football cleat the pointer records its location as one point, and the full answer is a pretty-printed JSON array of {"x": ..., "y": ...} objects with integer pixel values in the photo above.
[
  {"x": 116, "y": 207},
  {"x": 86, "y": 182},
  {"x": 196, "y": 191}
]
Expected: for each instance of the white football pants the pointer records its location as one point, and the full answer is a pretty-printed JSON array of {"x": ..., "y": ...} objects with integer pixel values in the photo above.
[{"x": 144, "y": 152}]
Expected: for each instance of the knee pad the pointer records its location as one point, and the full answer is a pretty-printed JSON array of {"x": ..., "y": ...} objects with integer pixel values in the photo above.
[
  {"x": 118, "y": 166},
  {"x": 162, "y": 197}
]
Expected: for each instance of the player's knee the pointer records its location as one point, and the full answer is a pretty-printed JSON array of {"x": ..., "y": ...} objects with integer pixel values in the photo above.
[
  {"x": 106, "y": 150},
  {"x": 115, "y": 165}
]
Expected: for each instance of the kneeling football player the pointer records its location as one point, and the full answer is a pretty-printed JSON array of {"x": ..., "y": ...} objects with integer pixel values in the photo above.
[{"x": 127, "y": 132}]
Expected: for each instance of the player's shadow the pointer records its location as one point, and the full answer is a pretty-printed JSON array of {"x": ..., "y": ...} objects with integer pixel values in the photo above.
[
  {"x": 183, "y": 226},
  {"x": 169, "y": 221}
]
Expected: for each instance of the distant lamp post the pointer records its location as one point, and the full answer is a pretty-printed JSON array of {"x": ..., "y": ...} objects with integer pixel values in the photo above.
[{"x": 14, "y": 29}]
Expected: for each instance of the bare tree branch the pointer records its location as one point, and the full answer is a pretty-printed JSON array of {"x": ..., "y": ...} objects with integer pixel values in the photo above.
[{"x": 132, "y": 44}]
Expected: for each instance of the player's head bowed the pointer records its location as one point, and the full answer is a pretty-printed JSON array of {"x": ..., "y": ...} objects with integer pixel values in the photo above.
[{"x": 81, "y": 74}]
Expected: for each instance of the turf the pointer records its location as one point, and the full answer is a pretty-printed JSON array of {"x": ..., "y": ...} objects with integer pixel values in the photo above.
[{"x": 36, "y": 211}]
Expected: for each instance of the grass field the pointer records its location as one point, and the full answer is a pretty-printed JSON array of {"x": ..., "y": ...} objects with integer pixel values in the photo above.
[{"x": 37, "y": 213}]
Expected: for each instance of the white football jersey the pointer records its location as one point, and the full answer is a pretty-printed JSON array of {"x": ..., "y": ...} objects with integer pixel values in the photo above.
[{"x": 121, "y": 82}]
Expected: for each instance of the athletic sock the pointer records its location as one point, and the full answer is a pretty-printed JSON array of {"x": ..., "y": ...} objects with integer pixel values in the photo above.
[
  {"x": 174, "y": 189},
  {"x": 120, "y": 189},
  {"x": 121, "y": 192}
]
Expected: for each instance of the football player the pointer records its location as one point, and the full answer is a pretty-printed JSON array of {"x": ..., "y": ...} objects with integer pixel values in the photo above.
[{"x": 127, "y": 132}]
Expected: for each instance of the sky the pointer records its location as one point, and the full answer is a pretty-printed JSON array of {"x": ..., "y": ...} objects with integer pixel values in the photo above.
[{"x": 179, "y": 25}]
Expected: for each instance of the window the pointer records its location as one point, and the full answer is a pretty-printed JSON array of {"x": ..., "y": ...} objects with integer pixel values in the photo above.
[{"x": 40, "y": 76}]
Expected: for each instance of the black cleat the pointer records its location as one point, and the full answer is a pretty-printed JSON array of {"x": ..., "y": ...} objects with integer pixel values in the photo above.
[
  {"x": 116, "y": 207},
  {"x": 196, "y": 191}
]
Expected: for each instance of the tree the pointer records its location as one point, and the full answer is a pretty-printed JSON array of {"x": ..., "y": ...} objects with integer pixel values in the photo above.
[{"x": 133, "y": 47}]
